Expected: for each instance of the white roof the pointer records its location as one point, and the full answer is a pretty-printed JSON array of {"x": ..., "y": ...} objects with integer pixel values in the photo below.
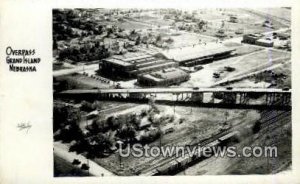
[{"x": 198, "y": 51}]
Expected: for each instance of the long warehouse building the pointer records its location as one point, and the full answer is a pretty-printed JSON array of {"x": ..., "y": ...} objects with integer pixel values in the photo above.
[
  {"x": 199, "y": 54},
  {"x": 132, "y": 65}
]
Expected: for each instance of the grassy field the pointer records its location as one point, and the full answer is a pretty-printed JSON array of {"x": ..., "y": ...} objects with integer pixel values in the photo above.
[
  {"x": 130, "y": 25},
  {"x": 189, "y": 39},
  {"x": 249, "y": 21}
]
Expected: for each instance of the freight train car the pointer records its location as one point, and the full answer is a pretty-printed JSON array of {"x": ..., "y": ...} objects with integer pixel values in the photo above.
[
  {"x": 183, "y": 161},
  {"x": 228, "y": 137},
  {"x": 153, "y": 172}
]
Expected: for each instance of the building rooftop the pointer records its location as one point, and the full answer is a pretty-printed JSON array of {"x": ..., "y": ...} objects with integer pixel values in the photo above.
[
  {"x": 263, "y": 40},
  {"x": 118, "y": 62},
  {"x": 198, "y": 51},
  {"x": 170, "y": 73},
  {"x": 129, "y": 59},
  {"x": 255, "y": 35}
]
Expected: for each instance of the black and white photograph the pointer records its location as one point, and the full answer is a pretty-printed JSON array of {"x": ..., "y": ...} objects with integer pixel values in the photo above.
[{"x": 171, "y": 91}]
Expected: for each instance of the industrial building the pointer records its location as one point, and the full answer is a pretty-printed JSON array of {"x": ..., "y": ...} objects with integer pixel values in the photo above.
[
  {"x": 130, "y": 65},
  {"x": 258, "y": 39},
  {"x": 233, "y": 19},
  {"x": 164, "y": 77},
  {"x": 133, "y": 64},
  {"x": 199, "y": 54},
  {"x": 251, "y": 38},
  {"x": 264, "y": 42},
  {"x": 283, "y": 36}
]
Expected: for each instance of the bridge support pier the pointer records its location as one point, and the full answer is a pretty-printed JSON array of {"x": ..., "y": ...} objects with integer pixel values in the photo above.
[
  {"x": 229, "y": 98},
  {"x": 177, "y": 97},
  {"x": 278, "y": 99},
  {"x": 243, "y": 98},
  {"x": 286, "y": 99},
  {"x": 197, "y": 97}
]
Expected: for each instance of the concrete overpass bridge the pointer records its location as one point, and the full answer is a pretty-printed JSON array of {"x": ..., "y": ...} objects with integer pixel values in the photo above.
[{"x": 213, "y": 97}]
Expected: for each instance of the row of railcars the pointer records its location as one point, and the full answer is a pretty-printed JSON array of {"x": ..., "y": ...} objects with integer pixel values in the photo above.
[{"x": 187, "y": 160}]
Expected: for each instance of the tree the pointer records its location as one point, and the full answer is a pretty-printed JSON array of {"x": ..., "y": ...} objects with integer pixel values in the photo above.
[
  {"x": 127, "y": 132},
  {"x": 132, "y": 119},
  {"x": 256, "y": 128},
  {"x": 201, "y": 24},
  {"x": 71, "y": 14},
  {"x": 80, "y": 146},
  {"x": 133, "y": 32},
  {"x": 100, "y": 29},
  {"x": 85, "y": 167},
  {"x": 109, "y": 31},
  {"x": 93, "y": 128},
  {"x": 54, "y": 44},
  {"x": 158, "y": 38},
  {"x": 86, "y": 106},
  {"x": 71, "y": 132},
  {"x": 99, "y": 144},
  {"x": 138, "y": 40},
  {"x": 64, "y": 115},
  {"x": 170, "y": 40}
]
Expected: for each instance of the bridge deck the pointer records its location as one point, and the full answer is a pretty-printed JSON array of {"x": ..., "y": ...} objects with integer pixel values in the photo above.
[{"x": 175, "y": 90}]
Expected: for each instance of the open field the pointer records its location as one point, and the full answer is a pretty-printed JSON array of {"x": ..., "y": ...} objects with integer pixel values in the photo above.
[
  {"x": 248, "y": 21},
  {"x": 151, "y": 18},
  {"x": 130, "y": 25},
  {"x": 189, "y": 39}
]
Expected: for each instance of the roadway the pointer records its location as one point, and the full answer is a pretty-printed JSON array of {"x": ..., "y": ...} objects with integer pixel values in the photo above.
[
  {"x": 172, "y": 90},
  {"x": 75, "y": 69}
]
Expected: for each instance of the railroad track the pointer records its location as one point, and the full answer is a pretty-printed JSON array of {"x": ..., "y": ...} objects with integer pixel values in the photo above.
[
  {"x": 167, "y": 160},
  {"x": 269, "y": 118},
  {"x": 274, "y": 117},
  {"x": 269, "y": 125},
  {"x": 276, "y": 122},
  {"x": 201, "y": 143}
]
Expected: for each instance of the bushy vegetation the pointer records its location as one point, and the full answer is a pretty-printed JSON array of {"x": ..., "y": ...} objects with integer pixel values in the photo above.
[
  {"x": 64, "y": 22},
  {"x": 88, "y": 52},
  {"x": 64, "y": 116},
  {"x": 67, "y": 24},
  {"x": 100, "y": 137}
]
